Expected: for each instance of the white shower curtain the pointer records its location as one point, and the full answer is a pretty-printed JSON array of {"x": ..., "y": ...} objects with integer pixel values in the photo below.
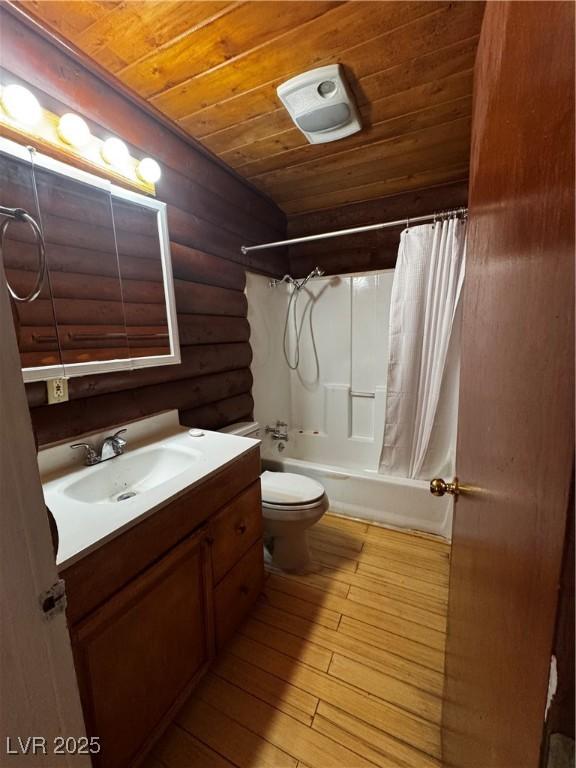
[{"x": 427, "y": 284}]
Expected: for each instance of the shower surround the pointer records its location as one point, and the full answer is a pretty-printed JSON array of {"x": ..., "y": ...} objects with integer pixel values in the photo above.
[{"x": 334, "y": 402}]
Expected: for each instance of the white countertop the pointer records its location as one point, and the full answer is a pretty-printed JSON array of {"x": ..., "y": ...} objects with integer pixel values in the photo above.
[{"x": 161, "y": 461}]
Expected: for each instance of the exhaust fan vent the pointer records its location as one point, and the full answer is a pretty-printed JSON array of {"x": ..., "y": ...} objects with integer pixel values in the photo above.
[{"x": 321, "y": 104}]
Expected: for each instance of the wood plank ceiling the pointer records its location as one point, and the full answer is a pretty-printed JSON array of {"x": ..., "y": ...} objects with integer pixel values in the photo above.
[{"x": 213, "y": 68}]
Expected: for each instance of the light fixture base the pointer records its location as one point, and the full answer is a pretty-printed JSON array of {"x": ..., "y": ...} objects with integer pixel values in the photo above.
[{"x": 44, "y": 137}]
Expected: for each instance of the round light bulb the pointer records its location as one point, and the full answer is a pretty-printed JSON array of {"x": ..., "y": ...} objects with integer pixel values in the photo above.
[
  {"x": 21, "y": 105},
  {"x": 73, "y": 130},
  {"x": 115, "y": 152},
  {"x": 149, "y": 170}
]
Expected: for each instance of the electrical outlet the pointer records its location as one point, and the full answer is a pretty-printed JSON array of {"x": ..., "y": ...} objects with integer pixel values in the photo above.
[{"x": 57, "y": 390}]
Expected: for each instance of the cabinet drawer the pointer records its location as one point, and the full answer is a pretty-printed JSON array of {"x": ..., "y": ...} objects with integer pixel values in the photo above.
[
  {"x": 234, "y": 529},
  {"x": 237, "y": 591}
]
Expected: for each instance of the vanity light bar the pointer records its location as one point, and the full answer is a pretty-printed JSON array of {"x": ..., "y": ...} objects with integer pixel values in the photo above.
[{"x": 22, "y": 113}]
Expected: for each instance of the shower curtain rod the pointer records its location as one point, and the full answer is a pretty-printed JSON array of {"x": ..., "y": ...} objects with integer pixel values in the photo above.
[{"x": 356, "y": 230}]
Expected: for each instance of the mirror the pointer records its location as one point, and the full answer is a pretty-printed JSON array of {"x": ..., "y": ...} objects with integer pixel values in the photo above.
[
  {"x": 140, "y": 264},
  {"x": 108, "y": 299},
  {"x": 35, "y": 322},
  {"x": 83, "y": 272}
]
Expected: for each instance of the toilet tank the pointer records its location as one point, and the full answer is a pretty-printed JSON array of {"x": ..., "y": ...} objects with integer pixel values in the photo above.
[{"x": 244, "y": 429}]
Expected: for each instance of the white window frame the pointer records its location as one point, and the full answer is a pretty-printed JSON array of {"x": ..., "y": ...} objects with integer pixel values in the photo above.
[{"x": 68, "y": 370}]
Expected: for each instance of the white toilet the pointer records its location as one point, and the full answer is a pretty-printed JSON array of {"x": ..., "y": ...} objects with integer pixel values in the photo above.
[{"x": 291, "y": 503}]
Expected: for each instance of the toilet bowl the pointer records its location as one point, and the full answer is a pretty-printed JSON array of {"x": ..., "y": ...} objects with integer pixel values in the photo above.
[{"x": 291, "y": 503}]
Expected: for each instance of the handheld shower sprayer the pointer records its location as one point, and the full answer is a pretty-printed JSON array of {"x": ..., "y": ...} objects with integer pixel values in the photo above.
[{"x": 297, "y": 286}]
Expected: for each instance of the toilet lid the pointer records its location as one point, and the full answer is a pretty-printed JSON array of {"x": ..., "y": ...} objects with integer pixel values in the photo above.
[{"x": 287, "y": 488}]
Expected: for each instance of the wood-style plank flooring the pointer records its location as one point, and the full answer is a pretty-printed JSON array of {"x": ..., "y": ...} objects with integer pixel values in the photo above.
[{"x": 341, "y": 667}]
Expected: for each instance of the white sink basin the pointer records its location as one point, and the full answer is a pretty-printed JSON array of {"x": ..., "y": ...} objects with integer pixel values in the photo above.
[
  {"x": 162, "y": 461},
  {"x": 124, "y": 477}
]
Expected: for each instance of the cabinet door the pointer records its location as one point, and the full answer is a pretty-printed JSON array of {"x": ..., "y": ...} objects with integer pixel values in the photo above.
[
  {"x": 237, "y": 592},
  {"x": 138, "y": 656}
]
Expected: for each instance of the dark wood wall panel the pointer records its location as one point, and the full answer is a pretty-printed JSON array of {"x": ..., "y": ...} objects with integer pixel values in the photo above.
[
  {"x": 369, "y": 250},
  {"x": 211, "y": 213},
  {"x": 211, "y": 329},
  {"x": 227, "y": 411},
  {"x": 196, "y": 361},
  {"x": 108, "y": 410},
  {"x": 197, "y": 298},
  {"x": 192, "y": 264}
]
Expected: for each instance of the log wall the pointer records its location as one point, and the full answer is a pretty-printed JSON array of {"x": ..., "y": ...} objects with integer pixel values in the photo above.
[
  {"x": 369, "y": 250},
  {"x": 211, "y": 213}
]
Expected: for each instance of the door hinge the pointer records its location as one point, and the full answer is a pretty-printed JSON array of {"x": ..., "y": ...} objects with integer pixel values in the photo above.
[{"x": 53, "y": 600}]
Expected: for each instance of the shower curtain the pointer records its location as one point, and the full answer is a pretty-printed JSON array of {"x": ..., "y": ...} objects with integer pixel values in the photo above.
[{"x": 427, "y": 284}]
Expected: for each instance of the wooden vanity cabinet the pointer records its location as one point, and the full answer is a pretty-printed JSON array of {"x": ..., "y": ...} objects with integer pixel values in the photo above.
[
  {"x": 139, "y": 655},
  {"x": 147, "y": 609}
]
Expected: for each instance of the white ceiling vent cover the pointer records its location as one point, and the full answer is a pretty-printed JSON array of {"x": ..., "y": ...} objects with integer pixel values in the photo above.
[{"x": 321, "y": 104}]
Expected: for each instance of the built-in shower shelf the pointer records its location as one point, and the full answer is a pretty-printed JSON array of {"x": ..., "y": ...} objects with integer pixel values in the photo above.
[{"x": 363, "y": 394}]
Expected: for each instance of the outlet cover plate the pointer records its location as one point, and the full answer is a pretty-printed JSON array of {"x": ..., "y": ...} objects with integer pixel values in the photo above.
[{"x": 57, "y": 391}]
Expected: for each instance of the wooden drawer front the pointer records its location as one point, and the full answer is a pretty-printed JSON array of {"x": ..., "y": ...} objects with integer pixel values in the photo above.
[
  {"x": 234, "y": 529},
  {"x": 236, "y": 593},
  {"x": 141, "y": 651}
]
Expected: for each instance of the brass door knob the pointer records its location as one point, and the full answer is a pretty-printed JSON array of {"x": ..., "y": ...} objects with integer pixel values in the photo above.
[{"x": 439, "y": 487}]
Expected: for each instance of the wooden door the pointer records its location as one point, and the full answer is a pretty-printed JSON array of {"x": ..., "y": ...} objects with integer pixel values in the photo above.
[
  {"x": 138, "y": 655},
  {"x": 38, "y": 691},
  {"x": 516, "y": 428}
]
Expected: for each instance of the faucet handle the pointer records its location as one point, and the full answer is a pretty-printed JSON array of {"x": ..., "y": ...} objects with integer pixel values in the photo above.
[
  {"x": 119, "y": 440},
  {"x": 91, "y": 456}
]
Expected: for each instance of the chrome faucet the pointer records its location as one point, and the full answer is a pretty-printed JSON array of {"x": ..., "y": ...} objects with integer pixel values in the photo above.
[
  {"x": 112, "y": 446},
  {"x": 278, "y": 432}
]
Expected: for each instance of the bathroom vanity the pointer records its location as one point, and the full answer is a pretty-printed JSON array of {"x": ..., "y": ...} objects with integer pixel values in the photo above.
[{"x": 150, "y": 601}]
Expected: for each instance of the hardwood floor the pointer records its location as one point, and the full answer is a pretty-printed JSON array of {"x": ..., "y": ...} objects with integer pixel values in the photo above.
[{"x": 341, "y": 667}]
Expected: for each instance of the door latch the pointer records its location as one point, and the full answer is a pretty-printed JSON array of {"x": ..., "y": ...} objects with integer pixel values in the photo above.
[{"x": 53, "y": 600}]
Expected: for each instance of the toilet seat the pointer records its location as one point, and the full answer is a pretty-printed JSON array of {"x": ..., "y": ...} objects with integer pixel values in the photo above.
[
  {"x": 288, "y": 496},
  {"x": 286, "y": 489}
]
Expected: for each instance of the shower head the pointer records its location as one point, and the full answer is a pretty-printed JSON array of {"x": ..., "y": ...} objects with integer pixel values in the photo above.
[{"x": 316, "y": 272}]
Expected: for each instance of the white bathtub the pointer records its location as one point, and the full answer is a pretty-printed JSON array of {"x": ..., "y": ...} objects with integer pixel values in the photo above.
[{"x": 365, "y": 494}]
